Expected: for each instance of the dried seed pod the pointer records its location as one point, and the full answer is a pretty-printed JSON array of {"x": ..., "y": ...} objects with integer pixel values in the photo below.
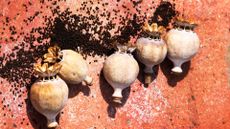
[
  {"x": 120, "y": 70},
  {"x": 183, "y": 43},
  {"x": 74, "y": 68},
  {"x": 49, "y": 94},
  {"x": 151, "y": 48}
]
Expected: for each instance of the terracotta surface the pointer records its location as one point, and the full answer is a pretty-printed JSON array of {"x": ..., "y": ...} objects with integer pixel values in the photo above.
[{"x": 199, "y": 98}]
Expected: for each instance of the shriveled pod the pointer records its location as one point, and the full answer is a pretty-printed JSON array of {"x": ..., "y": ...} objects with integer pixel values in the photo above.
[
  {"x": 151, "y": 48},
  {"x": 120, "y": 70},
  {"x": 49, "y": 94},
  {"x": 183, "y": 43},
  {"x": 74, "y": 68}
]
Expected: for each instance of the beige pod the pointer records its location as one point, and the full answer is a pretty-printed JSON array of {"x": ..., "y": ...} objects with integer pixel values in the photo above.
[
  {"x": 120, "y": 70},
  {"x": 151, "y": 49},
  {"x": 151, "y": 52},
  {"x": 49, "y": 96},
  {"x": 74, "y": 68},
  {"x": 183, "y": 44}
]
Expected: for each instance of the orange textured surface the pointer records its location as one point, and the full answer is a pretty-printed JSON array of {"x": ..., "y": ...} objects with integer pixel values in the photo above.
[{"x": 199, "y": 98}]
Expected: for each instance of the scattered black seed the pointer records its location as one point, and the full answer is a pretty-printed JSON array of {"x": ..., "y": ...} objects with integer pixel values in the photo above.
[
  {"x": 70, "y": 31},
  {"x": 193, "y": 97},
  {"x": 14, "y": 125},
  {"x": 164, "y": 14}
]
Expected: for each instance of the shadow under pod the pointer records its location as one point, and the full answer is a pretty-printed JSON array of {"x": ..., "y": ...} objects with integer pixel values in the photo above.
[
  {"x": 172, "y": 78},
  {"x": 37, "y": 120},
  {"x": 141, "y": 75},
  {"x": 107, "y": 91},
  {"x": 75, "y": 89}
]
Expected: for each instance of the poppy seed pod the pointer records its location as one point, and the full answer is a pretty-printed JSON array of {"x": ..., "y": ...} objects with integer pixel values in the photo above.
[
  {"x": 151, "y": 48},
  {"x": 183, "y": 43},
  {"x": 74, "y": 68},
  {"x": 49, "y": 94},
  {"x": 120, "y": 70}
]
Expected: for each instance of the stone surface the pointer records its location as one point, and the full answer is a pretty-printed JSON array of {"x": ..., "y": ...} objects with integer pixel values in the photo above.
[{"x": 199, "y": 98}]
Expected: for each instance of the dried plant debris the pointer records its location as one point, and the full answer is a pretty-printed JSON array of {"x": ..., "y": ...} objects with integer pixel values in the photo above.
[{"x": 96, "y": 33}]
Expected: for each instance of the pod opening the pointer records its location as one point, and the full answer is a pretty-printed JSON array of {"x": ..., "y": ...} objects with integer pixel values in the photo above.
[
  {"x": 184, "y": 25},
  {"x": 151, "y": 35},
  {"x": 152, "y": 31},
  {"x": 48, "y": 78}
]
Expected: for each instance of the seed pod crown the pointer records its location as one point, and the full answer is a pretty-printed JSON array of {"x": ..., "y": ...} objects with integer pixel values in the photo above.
[
  {"x": 153, "y": 28},
  {"x": 44, "y": 70},
  {"x": 184, "y": 23},
  {"x": 152, "y": 31},
  {"x": 53, "y": 55}
]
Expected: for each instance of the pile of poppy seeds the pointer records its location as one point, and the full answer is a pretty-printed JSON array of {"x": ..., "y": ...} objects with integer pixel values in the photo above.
[{"x": 71, "y": 30}]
